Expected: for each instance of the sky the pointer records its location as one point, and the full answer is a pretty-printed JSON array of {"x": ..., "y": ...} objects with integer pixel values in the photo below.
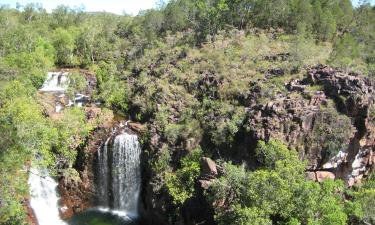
[{"x": 114, "y": 6}]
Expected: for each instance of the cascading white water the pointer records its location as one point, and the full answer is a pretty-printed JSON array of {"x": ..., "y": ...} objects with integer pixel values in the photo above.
[
  {"x": 55, "y": 82},
  {"x": 103, "y": 175},
  {"x": 44, "y": 199},
  {"x": 119, "y": 173}
]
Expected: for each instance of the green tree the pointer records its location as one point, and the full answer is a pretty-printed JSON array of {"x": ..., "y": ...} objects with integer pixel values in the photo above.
[
  {"x": 180, "y": 184},
  {"x": 64, "y": 43},
  {"x": 345, "y": 52}
]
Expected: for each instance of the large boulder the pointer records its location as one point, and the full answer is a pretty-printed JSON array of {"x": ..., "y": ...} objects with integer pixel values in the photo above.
[
  {"x": 208, "y": 167},
  {"x": 324, "y": 175}
]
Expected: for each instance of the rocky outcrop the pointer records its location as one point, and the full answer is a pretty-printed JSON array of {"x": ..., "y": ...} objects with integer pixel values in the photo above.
[
  {"x": 30, "y": 216},
  {"x": 296, "y": 117},
  {"x": 324, "y": 116},
  {"x": 209, "y": 172},
  {"x": 79, "y": 194}
]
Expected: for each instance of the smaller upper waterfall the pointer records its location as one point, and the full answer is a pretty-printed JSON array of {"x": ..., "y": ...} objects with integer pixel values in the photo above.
[
  {"x": 44, "y": 199},
  {"x": 119, "y": 176},
  {"x": 55, "y": 82}
]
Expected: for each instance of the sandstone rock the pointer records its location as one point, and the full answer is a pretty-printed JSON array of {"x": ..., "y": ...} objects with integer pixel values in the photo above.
[
  {"x": 324, "y": 175},
  {"x": 205, "y": 184},
  {"x": 137, "y": 127},
  {"x": 311, "y": 176},
  {"x": 292, "y": 117},
  {"x": 208, "y": 167}
]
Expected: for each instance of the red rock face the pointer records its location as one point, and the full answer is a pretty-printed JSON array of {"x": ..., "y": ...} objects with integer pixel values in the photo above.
[
  {"x": 76, "y": 196},
  {"x": 80, "y": 194},
  {"x": 31, "y": 218}
]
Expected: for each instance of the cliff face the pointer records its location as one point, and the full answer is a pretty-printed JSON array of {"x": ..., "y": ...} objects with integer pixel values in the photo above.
[
  {"x": 327, "y": 117},
  {"x": 304, "y": 120},
  {"x": 79, "y": 194}
]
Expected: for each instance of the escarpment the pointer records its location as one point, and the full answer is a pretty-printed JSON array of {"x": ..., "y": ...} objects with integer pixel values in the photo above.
[
  {"x": 311, "y": 120},
  {"x": 327, "y": 116}
]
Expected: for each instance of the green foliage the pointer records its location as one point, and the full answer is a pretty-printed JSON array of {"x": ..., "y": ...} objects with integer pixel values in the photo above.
[
  {"x": 161, "y": 164},
  {"x": 72, "y": 130},
  {"x": 113, "y": 93},
  {"x": 300, "y": 48},
  {"x": 180, "y": 183},
  {"x": 269, "y": 153},
  {"x": 26, "y": 133},
  {"x": 361, "y": 209},
  {"x": 64, "y": 43},
  {"x": 331, "y": 132},
  {"x": 279, "y": 191},
  {"x": 345, "y": 52},
  {"x": 151, "y": 66},
  {"x": 222, "y": 121}
]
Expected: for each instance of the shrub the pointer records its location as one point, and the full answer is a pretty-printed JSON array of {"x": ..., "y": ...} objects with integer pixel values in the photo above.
[{"x": 180, "y": 184}]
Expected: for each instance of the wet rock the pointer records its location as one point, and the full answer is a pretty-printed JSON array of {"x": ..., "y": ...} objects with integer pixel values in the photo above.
[{"x": 31, "y": 218}]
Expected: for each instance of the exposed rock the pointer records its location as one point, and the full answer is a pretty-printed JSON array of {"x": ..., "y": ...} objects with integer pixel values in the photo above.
[
  {"x": 79, "y": 194},
  {"x": 31, "y": 218},
  {"x": 76, "y": 196},
  {"x": 137, "y": 127},
  {"x": 276, "y": 72},
  {"x": 311, "y": 175},
  {"x": 292, "y": 117},
  {"x": 324, "y": 175},
  {"x": 277, "y": 57},
  {"x": 208, "y": 167},
  {"x": 209, "y": 171},
  {"x": 205, "y": 184}
]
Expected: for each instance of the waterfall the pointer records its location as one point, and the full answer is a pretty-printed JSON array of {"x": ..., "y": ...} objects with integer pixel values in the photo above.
[
  {"x": 103, "y": 175},
  {"x": 44, "y": 199},
  {"x": 119, "y": 177},
  {"x": 55, "y": 82}
]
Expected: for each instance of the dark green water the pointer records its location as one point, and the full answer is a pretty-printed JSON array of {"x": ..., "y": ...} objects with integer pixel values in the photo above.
[{"x": 96, "y": 217}]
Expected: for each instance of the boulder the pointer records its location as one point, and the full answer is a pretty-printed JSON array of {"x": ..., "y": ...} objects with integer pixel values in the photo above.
[
  {"x": 205, "y": 184},
  {"x": 137, "y": 127},
  {"x": 208, "y": 167},
  {"x": 311, "y": 176},
  {"x": 324, "y": 175}
]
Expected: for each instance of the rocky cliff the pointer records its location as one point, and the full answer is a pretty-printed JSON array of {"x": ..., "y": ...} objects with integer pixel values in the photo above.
[
  {"x": 327, "y": 117},
  {"x": 306, "y": 119}
]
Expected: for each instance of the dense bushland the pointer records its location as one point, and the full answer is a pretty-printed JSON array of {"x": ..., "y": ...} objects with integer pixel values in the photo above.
[{"x": 187, "y": 69}]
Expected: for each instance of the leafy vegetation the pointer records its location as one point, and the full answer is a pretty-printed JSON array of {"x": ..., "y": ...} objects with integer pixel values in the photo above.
[
  {"x": 277, "y": 193},
  {"x": 193, "y": 71},
  {"x": 180, "y": 184}
]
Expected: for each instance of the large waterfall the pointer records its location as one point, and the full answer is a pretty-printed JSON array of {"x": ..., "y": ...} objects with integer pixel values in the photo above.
[
  {"x": 119, "y": 177},
  {"x": 44, "y": 199}
]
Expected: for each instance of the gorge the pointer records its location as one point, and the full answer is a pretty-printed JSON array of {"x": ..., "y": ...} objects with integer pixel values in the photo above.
[
  {"x": 117, "y": 177},
  {"x": 196, "y": 112},
  {"x": 118, "y": 184}
]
